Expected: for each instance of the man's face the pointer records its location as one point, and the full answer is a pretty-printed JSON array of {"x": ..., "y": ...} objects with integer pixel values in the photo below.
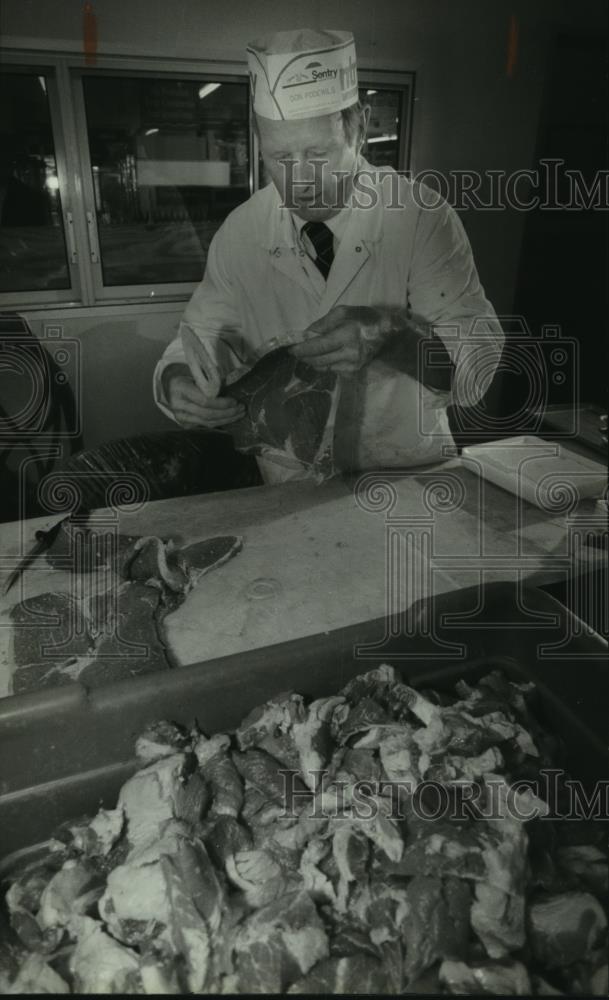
[{"x": 290, "y": 148}]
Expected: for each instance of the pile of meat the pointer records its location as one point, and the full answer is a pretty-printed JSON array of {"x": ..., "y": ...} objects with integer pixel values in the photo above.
[{"x": 371, "y": 842}]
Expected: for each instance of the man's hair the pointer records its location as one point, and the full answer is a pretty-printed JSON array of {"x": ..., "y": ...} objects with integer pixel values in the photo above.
[{"x": 354, "y": 123}]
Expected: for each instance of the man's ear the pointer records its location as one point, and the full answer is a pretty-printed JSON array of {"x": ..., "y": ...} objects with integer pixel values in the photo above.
[{"x": 366, "y": 110}]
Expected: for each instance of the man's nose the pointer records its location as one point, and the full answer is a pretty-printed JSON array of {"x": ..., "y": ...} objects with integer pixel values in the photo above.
[{"x": 304, "y": 173}]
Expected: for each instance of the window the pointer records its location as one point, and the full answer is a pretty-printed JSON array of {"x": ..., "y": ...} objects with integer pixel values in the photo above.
[
  {"x": 33, "y": 253},
  {"x": 169, "y": 160},
  {"x": 386, "y": 142},
  {"x": 114, "y": 179}
]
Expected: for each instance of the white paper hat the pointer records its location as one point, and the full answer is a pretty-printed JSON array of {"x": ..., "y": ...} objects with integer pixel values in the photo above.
[{"x": 303, "y": 73}]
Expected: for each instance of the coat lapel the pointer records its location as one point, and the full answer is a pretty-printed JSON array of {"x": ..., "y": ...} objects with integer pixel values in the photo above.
[
  {"x": 356, "y": 247},
  {"x": 280, "y": 245},
  {"x": 285, "y": 259},
  {"x": 350, "y": 259}
]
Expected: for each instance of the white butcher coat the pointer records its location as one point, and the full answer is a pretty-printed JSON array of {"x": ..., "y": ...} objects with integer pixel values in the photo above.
[{"x": 408, "y": 250}]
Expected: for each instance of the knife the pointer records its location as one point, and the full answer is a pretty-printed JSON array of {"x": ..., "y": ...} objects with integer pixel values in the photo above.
[{"x": 44, "y": 540}]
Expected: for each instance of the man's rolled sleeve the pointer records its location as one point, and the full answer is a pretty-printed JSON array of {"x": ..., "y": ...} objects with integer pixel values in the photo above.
[
  {"x": 173, "y": 354},
  {"x": 212, "y": 315},
  {"x": 445, "y": 290}
]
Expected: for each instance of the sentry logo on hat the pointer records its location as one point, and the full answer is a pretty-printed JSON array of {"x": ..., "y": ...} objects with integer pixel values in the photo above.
[{"x": 303, "y": 73}]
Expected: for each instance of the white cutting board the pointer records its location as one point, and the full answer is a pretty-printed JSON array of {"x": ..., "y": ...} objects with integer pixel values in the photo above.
[{"x": 544, "y": 473}]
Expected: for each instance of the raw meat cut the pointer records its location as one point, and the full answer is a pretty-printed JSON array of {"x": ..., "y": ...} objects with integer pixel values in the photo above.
[
  {"x": 116, "y": 633},
  {"x": 291, "y": 410},
  {"x": 136, "y": 557},
  {"x": 51, "y": 644},
  {"x": 113, "y": 636}
]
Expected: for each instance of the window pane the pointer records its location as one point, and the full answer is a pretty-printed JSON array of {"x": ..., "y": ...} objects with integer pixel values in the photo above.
[
  {"x": 387, "y": 120},
  {"x": 170, "y": 160},
  {"x": 32, "y": 244}
]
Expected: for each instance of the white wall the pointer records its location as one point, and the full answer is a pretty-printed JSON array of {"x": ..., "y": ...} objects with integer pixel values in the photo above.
[
  {"x": 117, "y": 356},
  {"x": 469, "y": 115}
]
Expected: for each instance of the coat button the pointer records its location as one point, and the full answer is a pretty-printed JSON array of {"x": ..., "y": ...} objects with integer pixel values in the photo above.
[
  {"x": 277, "y": 252},
  {"x": 358, "y": 249}
]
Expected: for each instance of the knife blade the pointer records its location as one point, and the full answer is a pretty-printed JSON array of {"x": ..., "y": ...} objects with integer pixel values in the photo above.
[{"x": 44, "y": 540}]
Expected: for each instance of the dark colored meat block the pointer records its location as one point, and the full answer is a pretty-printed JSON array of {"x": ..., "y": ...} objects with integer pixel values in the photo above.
[
  {"x": 290, "y": 410},
  {"x": 50, "y": 633},
  {"x": 110, "y": 639},
  {"x": 35, "y": 676},
  {"x": 87, "y": 547},
  {"x": 51, "y": 622},
  {"x": 91, "y": 547},
  {"x": 131, "y": 645},
  {"x": 207, "y": 555},
  {"x": 437, "y": 925},
  {"x": 355, "y": 974}
]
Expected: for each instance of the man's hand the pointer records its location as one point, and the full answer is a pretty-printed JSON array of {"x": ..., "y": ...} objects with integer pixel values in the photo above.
[
  {"x": 192, "y": 409},
  {"x": 345, "y": 339},
  {"x": 349, "y": 337}
]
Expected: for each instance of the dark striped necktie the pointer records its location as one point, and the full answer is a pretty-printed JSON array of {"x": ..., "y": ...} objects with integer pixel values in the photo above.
[{"x": 322, "y": 239}]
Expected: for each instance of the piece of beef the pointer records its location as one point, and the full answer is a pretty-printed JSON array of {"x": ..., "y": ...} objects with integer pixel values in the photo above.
[
  {"x": 567, "y": 928},
  {"x": 129, "y": 644},
  {"x": 88, "y": 547},
  {"x": 437, "y": 925},
  {"x": 290, "y": 412},
  {"x": 99, "y": 964},
  {"x": 161, "y": 739},
  {"x": 211, "y": 553},
  {"x": 51, "y": 641},
  {"x": 496, "y": 978},
  {"x": 278, "y": 944},
  {"x": 37, "y": 976},
  {"x": 227, "y": 837},
  {"x": 118, "y": 633},
  {"x": 267, "y": 776},
  {"x": 354, "y": 974},
  {"x": 159, "y": 578},
  {"x": 219, "y": 771}
]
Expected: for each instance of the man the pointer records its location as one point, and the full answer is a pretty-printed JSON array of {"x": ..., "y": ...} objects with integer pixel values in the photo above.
[{"x": 370, "y": 268}]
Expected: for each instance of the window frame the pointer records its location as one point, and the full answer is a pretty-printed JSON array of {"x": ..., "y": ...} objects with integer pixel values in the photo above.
[
  {"x": 404, "y": 81},
  {"x": 146, "y": 291},
  {"x": 29, "y": 64},
  {"x": 74, "y": 168}
]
